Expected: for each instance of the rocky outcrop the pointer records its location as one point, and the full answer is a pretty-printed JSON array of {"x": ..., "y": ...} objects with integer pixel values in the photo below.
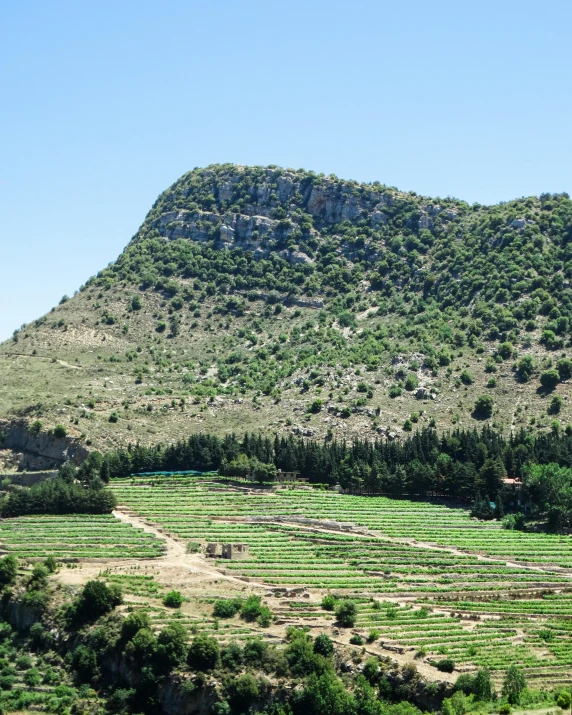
[{"x": 40, "y": 451}]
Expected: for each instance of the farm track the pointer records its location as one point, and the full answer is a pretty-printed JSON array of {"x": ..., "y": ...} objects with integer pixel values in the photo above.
[
  {"x": 421, "y": 545},
  {"x": 176, "y": 555}
]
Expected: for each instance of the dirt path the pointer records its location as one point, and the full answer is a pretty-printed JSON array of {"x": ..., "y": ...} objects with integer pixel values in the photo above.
[
  {"x": 499, "y": 560},
  {"x": 176, "y": 556}
]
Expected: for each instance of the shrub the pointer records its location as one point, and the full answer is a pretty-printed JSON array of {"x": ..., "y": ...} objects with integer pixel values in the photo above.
[
  {"x": 264, "y": 617},
  {"x": 23, "y": 662},
  {"x": 356, "y": 639},
  {"x": 231, "y": 656},
  {"x": 242, "y": 691},
  {"x": 134, "y": 622},
  {"x": 525, "y": 368},
  {"x": 555, "y": 405},
  {"x": 466, "y": 377},
  {"x": 563, "y": 700},
  {"x": 173, "y": 599},
  {"x": 505, "y": 709},
  {"x": 32, "y": 677},
  {"x": 8, "y": 570},
  {"x": 446, "y": 665},
  {"x": 549, "y": 378},
  {"x": 251, "y": 608},
  {"x": 484, "y": 406},
  {"x": 564, "y": 367},
  {"x": 227, "y": 608},
  {"x": 95, "y": 600},
  {"x": 373, "y": 635},
  {"x": 316, "y": 406},
  {"x": 411, "y": 383},
  {"x": 60, "y": 431},
  {"x": 329, "y": 602},
  {"x": 323, "y": 645},
  {"x": 505, "y": 350},
  {"x": 346, "y": 614},
  {"x": 204, "y": 653}
]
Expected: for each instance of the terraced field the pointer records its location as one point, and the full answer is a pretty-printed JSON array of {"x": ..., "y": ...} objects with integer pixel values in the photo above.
[
  {"x": 76, "y": 537},
  {"x": 430, "y": 580}
]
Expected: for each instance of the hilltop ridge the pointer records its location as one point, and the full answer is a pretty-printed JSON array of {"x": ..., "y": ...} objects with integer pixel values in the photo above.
[{"x": 278, "y": 299}]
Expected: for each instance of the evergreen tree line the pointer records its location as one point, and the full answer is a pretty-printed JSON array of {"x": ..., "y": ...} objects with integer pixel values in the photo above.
[
  {"x": 461, "y": 464},
  {"x": 73, "y": 491}
]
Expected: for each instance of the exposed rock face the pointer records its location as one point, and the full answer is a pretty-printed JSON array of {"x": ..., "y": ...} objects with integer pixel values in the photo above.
[
  {"x": 40, "y": 451},
  {"x": 254, "y": 225}
]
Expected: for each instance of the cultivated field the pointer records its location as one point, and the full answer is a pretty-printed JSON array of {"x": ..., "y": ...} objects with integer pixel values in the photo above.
[{"x": 430, "y": 580}]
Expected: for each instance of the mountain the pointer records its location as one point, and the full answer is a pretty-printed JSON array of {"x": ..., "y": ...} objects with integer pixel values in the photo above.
[{"x": 281, "y": 300}]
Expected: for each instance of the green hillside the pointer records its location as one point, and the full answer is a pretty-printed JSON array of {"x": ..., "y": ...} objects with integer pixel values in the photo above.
[{"x": 282, "y": 300}]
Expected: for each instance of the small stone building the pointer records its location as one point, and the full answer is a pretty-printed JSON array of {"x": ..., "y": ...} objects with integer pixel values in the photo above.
[
  {"x": 228, "y": 551},
  {"x": 214, "y": 550}
]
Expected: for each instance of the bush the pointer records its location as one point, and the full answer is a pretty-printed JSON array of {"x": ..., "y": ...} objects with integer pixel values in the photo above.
[
  {"x": 251, "y": 609},
  {"x": 466, "y": 377},
  {"x": 134, "y": 622},
  {"x": 484, "y": 406},
  {"x": 23, "y": 662},
  {"x": 8, "y": 570},
  {"x": 171, "y": 646},
  {"x": 505, "y": 709},
  {"x": 242, "y": 692},
  {"x": 411, "y": 383},
  {"x": 346, "y": 614},
  {"x": 356, "y": 639},
  {"x": 329, "y": 602},
  {"x": 173, "y": 599},
  {"x": 525, "y": 368},
  {"x": 446, "y": 665},
  {"x": 227, "y": 608},
  {"x": 323, "y": 645},
  {"x": 564, "y": 367},
  {"x": 549, "y": 379},
  {"x": 373, "y": 635},
  {"x": 95, "y": 601},
  {"x": 204, "y": 653},
  {"x": 316, "y": 406},
  {"x": 563, "y": 700},
  {"x": 555, "y": 405},
  {"x": 231, "y": 656},
  {"x": 60, "y": 431}
]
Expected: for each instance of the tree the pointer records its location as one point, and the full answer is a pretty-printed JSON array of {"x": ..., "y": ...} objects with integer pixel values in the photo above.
[
  {"x": 171, "y": 646},
  {"x": 549, "y": 379},
  {"x": 564, "y": 367},
  {"x": 203, "y": 653},
  {"x": 525, "y": 368},
  {"x": 513, "y": 684},
  {"x": 60, "y": 431},
  {"x": 133, "y": 623},
  {"x": 8, "y": 570},
  {"x": 97, "y": 599},
  {"x": 346, "y": 613},
  {"x": 323, "y": 645},
  {"x": 173, "y": 599},
  {"x": 482, "y": 685},
  {"x": 484, "y": 406}
]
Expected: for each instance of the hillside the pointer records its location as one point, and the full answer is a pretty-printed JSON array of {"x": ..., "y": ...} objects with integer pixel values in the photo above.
[{"x": 281, "y": 300}]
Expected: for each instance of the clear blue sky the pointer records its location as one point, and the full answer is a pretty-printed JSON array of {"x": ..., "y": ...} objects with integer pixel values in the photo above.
[{"x": 104, "y": 104}]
